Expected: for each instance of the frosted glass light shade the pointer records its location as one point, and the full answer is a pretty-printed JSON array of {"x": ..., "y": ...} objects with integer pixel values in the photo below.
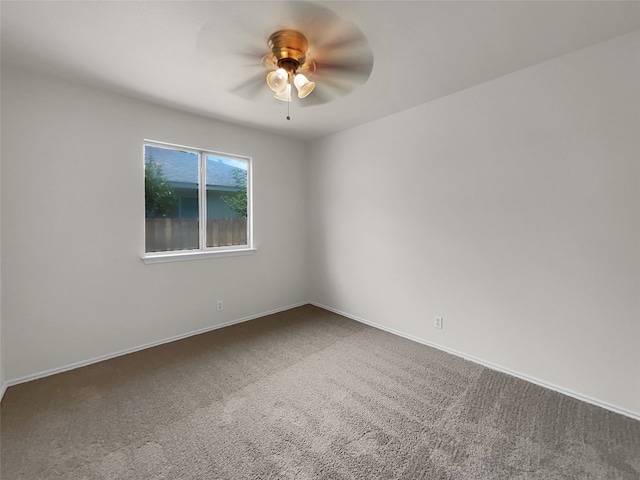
[
  {"x": 286, "y": 95},
  {"x": 277, "y": 80},
  {"x": 304, "y": 86}
]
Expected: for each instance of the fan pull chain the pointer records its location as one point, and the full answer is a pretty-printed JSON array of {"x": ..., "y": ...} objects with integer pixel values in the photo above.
[{"x": 288, "y": 104}]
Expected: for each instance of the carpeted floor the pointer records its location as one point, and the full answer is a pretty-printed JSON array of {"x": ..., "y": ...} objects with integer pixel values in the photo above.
[{"x": 304, "y": 394}]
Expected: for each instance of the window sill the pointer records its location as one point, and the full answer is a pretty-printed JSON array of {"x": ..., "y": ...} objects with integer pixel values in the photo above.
[{"x": 165, "y": 257}]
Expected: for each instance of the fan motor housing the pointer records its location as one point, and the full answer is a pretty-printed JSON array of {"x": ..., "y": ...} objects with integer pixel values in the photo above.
[{"x": 289, "y": 48}]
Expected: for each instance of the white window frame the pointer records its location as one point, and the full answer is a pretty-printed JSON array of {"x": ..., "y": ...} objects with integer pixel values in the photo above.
[{"x": 203, "y": 251}]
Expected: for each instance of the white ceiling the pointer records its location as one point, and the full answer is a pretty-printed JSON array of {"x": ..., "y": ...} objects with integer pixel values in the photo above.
[{"x": 188, "y": 54}]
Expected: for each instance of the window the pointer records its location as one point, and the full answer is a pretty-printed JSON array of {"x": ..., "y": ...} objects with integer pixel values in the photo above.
[{"x": 196, "y": 202}]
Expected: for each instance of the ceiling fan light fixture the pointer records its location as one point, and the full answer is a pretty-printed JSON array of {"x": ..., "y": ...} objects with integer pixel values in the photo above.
[
  {"x": 304, "y": 86},
  {"x": 285, "y": 96},
  {"x": 289, "y": 52},
  {"x": 278, "y": 80}
]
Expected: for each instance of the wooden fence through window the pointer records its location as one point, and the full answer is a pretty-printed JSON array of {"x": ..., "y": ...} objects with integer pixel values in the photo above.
[{"x": 167, "y": 234}]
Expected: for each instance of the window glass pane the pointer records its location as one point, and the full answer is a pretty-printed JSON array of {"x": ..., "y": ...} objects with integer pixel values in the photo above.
[
  {"x": 171, "y": 199},
  {"x": 226, "y": 201}
]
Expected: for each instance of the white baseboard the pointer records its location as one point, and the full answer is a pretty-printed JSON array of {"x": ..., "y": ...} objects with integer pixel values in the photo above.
[
  {"x": 492, "y": 366},
  {"x": 108, "y": 356}
]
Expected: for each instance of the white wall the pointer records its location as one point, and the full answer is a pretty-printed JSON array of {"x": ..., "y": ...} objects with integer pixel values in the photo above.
[
  {"x": 74, "y": 286},
  {"x": 511, "y": 208}
]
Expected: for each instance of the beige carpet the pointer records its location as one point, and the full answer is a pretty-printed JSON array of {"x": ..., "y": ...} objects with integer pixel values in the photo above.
[{"x": 304, "y": 394}]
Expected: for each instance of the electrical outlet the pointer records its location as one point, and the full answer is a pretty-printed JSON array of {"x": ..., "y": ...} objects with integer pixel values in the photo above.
[
  {"x": 437, "y": 322},
  {"x": 219, "y": 305}
]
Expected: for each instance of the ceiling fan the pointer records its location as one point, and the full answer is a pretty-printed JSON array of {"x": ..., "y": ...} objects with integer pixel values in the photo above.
[
  {"x": 304, "y": 46},
  {"x": 289, "y": 62}
]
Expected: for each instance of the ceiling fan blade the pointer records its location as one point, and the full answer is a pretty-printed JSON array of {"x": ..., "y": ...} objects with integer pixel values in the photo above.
[
  {"x": 333, "y": 88},
  {"x": 251, "y": 87},
  {"x": 252, "y": 56},
  {"x": 357, "y": 71},
  {"x": 313, "y": 20},
  {"x": 327, "y": 90},
  {"x": 326, "y": 31},
  {"x": 349, "y": 41},
  {"x": 339, "y": 48},
  {"x": 319, "y": 96}
]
